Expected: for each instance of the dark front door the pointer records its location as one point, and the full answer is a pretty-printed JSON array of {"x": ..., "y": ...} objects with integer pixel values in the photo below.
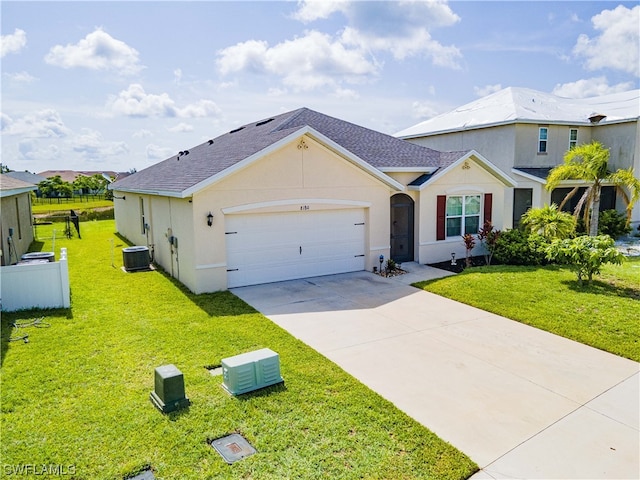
[{"x": 402, "y": 228}]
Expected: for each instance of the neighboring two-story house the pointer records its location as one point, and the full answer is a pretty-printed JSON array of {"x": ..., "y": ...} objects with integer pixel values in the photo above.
[{"x": 526, "y": 133}]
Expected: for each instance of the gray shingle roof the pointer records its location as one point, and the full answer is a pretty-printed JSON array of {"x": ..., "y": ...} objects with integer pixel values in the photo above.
[
  {"x": 540, "y": 172},
  {"x": 197, "y": 164}
]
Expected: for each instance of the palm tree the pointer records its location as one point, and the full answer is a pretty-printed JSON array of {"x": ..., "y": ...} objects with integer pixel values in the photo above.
[
  {"x": 589, "y": 163},
  {"x": 549, "y": 222}
]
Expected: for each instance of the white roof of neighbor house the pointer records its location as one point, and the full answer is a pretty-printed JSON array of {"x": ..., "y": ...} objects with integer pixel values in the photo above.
[{"x": 523, "y": 105}]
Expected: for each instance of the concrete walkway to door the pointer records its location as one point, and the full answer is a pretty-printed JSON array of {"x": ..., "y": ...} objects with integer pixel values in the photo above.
[{"x": 521, "y": 402}]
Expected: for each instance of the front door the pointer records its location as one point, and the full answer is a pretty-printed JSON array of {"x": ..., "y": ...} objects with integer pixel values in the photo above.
[{"x": 402, "y": 228}]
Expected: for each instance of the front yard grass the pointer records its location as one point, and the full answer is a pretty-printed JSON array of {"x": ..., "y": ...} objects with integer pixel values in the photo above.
[
  {"x": 77, "y": 395},
  {"x": 604, "y": 315}
]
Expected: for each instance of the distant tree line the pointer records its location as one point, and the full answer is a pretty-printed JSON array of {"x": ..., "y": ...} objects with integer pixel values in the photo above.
[{"x": 54, "y": 187}]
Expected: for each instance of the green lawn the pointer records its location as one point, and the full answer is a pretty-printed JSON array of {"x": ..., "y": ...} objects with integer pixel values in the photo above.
[
  {"x": 78, "y": 393},
  {"x": 44, "y": 207},
  {"x": 604, "y": 315}
]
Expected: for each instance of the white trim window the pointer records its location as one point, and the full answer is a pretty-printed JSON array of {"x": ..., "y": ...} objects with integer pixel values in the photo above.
[
  {"x": 573, "y": 138},
  {"x": 463, "y": 215},
  {"x": 543, "y": 136}
]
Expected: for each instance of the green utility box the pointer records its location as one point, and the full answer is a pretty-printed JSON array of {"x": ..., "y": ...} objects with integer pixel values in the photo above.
[
  {"x": 169, "y": 395},
  {"x": 251, "y": 371}
]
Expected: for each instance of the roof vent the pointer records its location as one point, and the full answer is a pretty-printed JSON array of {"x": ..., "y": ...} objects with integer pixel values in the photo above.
[
  {"x": 236, "y": 130},
  {"x": 210, "y": 142},
  {"x": 186, "y": 152},
  {"x": 264, "y": 122},
  {"x": 596, "y": 117}
]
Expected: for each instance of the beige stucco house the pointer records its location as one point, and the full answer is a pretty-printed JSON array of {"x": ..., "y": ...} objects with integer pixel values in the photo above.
[
  {"x": 526, "y": 133},
  {"x": 16, "y": 225},
  {"x": 303, "y": 194}
]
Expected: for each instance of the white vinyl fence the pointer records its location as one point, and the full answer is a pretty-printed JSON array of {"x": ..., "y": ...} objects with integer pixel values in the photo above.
[{"x": 36, "y": 285}]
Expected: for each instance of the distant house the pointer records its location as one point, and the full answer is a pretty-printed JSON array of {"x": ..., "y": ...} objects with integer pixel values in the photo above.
[
  {"x": 16, "y": 221},
  {"x": 526, "y": 133},
  {"x": 303, "y": 194}
]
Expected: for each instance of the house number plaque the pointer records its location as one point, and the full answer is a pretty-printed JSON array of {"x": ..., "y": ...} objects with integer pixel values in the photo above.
[{"x": 304, "y": 207}]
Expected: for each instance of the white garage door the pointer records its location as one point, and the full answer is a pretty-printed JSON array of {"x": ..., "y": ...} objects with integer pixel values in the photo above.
[{"x": 271, "y": 247}]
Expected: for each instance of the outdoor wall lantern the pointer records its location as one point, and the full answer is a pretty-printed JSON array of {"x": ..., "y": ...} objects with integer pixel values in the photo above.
[
  {"x": 453, "y": 259},
  {"x": 210, "y": 219}
]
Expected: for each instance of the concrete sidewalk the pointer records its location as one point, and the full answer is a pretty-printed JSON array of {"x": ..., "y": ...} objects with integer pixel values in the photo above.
[{"x": 522, "y": 403}]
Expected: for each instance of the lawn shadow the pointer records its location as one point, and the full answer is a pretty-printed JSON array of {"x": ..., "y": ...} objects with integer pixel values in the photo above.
[
  {"x": 9, "y": 333},
  {"x": 599, "y": 287},
  {"x": 263, "y": 392},
  {"x": 215, "y": 304}
]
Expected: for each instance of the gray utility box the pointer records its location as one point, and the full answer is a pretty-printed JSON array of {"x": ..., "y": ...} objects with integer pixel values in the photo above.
[
  {"x": 169, "y": 389},
  {"x": 251, "y": 371}
]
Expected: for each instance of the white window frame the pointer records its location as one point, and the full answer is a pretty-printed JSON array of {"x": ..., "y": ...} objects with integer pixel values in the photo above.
[
  {"x": 142, "y": 219},
  {"x": 573, "y": 141},
  {"x": 542, "y": 150},
  {"x": 463, "y": 216}
]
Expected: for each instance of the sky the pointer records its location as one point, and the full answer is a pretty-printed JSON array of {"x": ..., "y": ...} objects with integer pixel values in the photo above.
[{"x": 119, "y": 85}]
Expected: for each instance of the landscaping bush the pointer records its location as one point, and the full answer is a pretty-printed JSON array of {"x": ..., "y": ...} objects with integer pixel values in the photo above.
[
  {"x": 585, "y": 255},
  {"x": 613, "y": 223},
  {"x": 518, "y": 247}
]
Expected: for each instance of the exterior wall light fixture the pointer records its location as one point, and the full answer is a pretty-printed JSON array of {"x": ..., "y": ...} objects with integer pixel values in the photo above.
[{"x": 210, "y": 219}]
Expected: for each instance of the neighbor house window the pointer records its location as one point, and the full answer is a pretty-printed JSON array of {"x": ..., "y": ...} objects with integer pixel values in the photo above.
[
  {"x": 543, "y": 133},
  {"x": 142, "y": 221},
  {"x": 463, "y": 215},
  {"x": 573, "y": 138}
]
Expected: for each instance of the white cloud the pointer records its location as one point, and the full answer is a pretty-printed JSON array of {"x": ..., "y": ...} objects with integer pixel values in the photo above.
[
  {"x": 97, "y": 51},
  {"x": 317, "y": 59},
  {"x": 310, "y": 10},
  {"x": 135, "y": 102},
  {"x": 346, "y": 94},
  {"x": 591, "y": 87},
  {"x": 13, "y": 43},
  {"x": 177, "y": 76},
  {"x": 617, "y": 46},
  {"x": 142, "y": 133},
  {"x": 42, "y": 124},
  {"x": 20, "y": 77},
  {"x": 399, "y": 27},
  {"x": 181, "y": 127},
  {"x": 201, "y": 108},
  {"x": 29, "y": 149},
  {"x": 305, "y": 63},
  {"x": 425, "y": 109},
  {"x": 487, "y": 89},
  {"x": 154, "y": 152},
  {"x": 90, "y": 144}
]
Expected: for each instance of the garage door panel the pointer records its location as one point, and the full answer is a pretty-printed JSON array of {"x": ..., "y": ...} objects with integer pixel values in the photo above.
[{"x": 273, "y": 247}]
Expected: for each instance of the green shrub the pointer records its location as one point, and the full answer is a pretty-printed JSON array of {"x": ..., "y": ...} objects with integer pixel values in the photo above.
[
  {"x": 585, "y": 255},
  {"x": 613, "y": 224},
  {"x": 549, "y": 222},
  {"x": 518, "y": 247}
]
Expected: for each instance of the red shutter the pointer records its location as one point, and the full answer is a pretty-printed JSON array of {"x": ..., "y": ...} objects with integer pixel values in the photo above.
[
  {"x": 441, "y": 209},
  {"x": 488, "y": 203}
]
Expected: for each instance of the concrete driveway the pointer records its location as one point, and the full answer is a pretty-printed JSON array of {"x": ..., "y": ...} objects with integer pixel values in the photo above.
[{"x": 522, "y": 403}]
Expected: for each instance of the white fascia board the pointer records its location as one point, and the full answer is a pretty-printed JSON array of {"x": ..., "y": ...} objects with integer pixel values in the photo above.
[
  {"x": 528, "y": 176},
  {"x": 408, "y": 169},
  {"x": 160, "y": 193},
  {"x": 281, "y": 143},
  {"x": 482, "y": 162},
  {"x": 17, "y": 191}
]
